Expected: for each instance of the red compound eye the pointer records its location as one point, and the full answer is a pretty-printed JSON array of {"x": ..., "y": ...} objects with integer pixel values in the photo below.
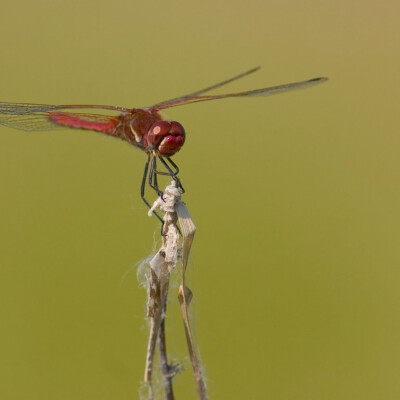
[
  {"x": 166, "y": 136},
  {"x": 177, "y": 129}
]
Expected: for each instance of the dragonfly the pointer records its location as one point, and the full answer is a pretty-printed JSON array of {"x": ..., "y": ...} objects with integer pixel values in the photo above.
[{"x": 143, "y": 128}]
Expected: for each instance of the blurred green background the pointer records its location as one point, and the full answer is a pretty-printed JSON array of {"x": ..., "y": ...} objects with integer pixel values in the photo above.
[{"x": 295, "y": 265}]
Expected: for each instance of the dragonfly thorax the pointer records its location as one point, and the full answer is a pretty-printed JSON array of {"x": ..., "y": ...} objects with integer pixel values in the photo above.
[{"x": 166, "y": 137}]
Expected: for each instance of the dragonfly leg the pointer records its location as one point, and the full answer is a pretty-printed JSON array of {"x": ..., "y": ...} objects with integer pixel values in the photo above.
[
  {"x": 153, "y": 177},
  {"x": 154, "y": 184},
  {"x": 171, "y": 173},
  {"x": 173, "y": 165},
  {"x": 142, "y": 189},
  {"x": 176, "y": 173}
]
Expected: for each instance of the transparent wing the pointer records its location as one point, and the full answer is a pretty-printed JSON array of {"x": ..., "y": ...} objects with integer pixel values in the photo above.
[
  {"x": 207, "y": 89},
  {"x": 39, "y": 117},
  {"x": 194, "y": 98},
  {"x": 26, "y": 122}
]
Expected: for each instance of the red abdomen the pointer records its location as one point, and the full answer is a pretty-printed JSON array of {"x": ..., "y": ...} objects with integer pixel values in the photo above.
[{"x": 105, "y": 124}]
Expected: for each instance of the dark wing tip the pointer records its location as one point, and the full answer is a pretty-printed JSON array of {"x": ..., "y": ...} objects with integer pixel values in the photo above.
[{"x": 319, "y": 80}]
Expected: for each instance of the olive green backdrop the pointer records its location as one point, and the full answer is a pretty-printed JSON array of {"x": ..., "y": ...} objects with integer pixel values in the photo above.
[{"x": 295, "y": 265}]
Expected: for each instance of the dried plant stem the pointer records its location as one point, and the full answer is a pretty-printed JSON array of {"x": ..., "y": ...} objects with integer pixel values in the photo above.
[
  {"x": 158, "y": 279},
  {"x": 185, "y": 296},
  {"x": 164, "y": 366}
]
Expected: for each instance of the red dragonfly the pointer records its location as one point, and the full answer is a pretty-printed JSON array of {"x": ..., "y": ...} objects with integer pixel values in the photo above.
[{"x": 141, "y": 127}]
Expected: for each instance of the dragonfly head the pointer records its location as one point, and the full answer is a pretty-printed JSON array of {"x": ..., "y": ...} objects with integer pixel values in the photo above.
[{"x": 167, "y": 137}]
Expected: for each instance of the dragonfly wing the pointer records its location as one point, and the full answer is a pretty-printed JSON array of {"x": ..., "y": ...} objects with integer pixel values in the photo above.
[
  {"x": 207, "y": 89},
  {"x": 35, "y": 122},
  {"x": 39, "y": 117},
  {"x": 29, "y": 117},
  {"x": 251, "y": 93}
]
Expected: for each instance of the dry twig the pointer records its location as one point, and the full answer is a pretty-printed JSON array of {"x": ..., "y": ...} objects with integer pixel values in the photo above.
[{"x": 158, "y": 274}]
